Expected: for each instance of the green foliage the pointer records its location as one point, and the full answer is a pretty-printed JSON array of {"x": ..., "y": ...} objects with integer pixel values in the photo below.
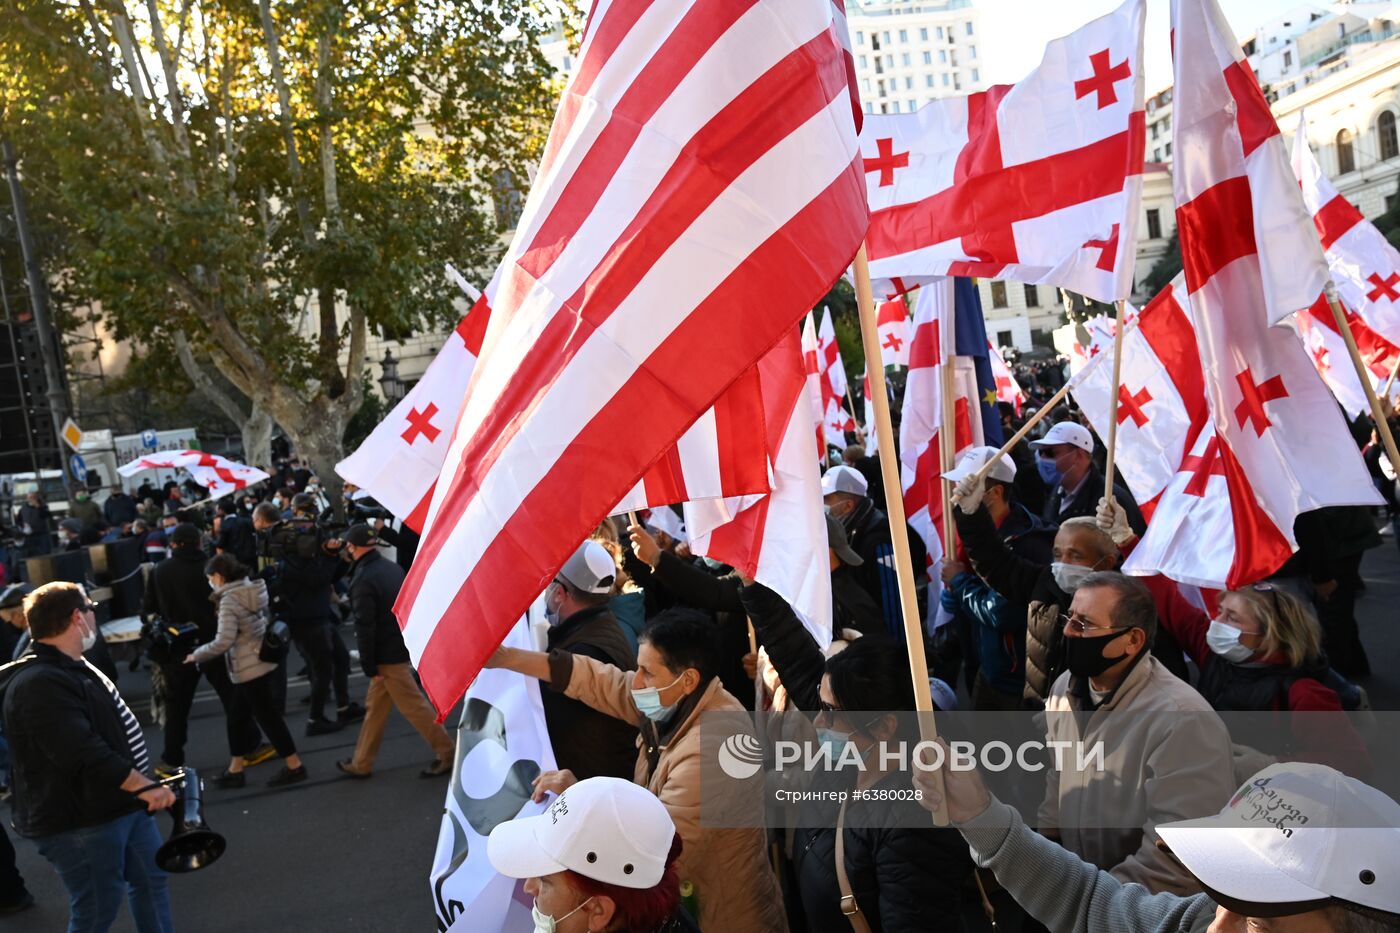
[
  {"x": 272, "y": 239},
  {"x": 372, "y": 411}
]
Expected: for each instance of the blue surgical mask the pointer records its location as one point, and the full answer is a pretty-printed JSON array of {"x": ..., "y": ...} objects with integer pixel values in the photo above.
[
  {"x": 834, "y": 741},
  {"x": 1049, "y": 471},
  {"x": 648, "y": 700}
]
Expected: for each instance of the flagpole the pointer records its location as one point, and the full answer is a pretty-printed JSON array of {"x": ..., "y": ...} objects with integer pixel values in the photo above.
[
  {"x": 860, "y": 432},
  {"x": 1113, "y": 403},
  {"x": 1377, "y": 413},
  {"x": 894, "y": 510},
  {"x": 1385, "y": 393},
  {"x": 947, "y": 439},
  {"x": 1041, "y": 414}
]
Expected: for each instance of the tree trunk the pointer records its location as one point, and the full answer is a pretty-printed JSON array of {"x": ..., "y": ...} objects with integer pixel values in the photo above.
[
  {"x": 257, "y": 438},
  {"x": 318, "y": 438}
]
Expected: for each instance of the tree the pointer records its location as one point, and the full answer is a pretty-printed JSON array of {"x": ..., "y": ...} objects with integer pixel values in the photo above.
[
  {"x": 252, "y": 186},
  {"x": 1164, "y": 269}
]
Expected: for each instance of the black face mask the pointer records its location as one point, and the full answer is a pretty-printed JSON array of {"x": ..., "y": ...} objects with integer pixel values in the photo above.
[{"x": 1084, "y": 656}]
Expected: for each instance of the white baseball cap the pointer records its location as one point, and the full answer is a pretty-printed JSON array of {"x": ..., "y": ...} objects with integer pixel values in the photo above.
[
  {"x": 844, "y": 479},
  {"x": 603, "y": 828},
  {"x": 1067, "y": 432},
  {"x": 1293, "y": 838},
  {"x": 1003, "y": 470},
  {"x": 590, "y": 568}
]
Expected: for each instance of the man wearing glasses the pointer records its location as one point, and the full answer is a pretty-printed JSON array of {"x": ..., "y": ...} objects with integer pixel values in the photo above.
[
  {"x": 1166, "y": 753},
  {"x": 82, "y": 785}
]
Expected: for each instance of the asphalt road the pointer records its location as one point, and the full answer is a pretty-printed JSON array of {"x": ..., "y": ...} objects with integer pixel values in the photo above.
[{"x": 340, "y": 855}]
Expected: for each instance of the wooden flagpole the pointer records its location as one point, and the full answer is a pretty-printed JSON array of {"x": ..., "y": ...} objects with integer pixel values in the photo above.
[
  {"x": 1377, "y": 413},
  {"x": 1113, "y": 403},
  {"x": 894, "y": 510},
  {"x": 947, "y": 435}
]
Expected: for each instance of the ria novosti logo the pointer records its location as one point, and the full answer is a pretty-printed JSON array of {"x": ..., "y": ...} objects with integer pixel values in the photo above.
[{"x": 741, "y": 756}]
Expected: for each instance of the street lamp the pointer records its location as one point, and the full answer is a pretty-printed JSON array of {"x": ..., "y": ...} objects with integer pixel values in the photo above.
[{"x": 389, "y": 382}]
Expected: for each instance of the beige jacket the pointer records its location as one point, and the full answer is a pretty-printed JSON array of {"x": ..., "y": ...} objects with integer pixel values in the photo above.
[
  {"x": 1167, "y": 757},
  {"x": 734, "y": 884}
]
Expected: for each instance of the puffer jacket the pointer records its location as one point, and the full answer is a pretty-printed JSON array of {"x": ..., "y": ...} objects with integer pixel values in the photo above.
[{"x": 243, "y": 616}]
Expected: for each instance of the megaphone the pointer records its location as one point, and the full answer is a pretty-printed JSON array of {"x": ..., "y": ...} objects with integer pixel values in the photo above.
[{"x": 192, "y": 844}]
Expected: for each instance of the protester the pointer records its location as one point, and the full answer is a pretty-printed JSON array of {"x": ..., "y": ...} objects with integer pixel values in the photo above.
[
  {"x": 1065, "y": 459},
  {"x": 152, "y": 541},
  {"x": 82, "y": 782},
  {"x": 120, "y": 508},
  {"x": 243, "y": 620},
  {"x": 1318, "y": 875},
  {"x": 868, "y": 532},
  {"x": 35, "y": 525},
  {"x": 70, "y": 531},
  {"x": 14, "y": 632},
  {"x": 83, "y": 509},
  {"x": 1169, "y": 754},
  {"x": 236, "y": 535},
  {"x": 1327, "y": 567},
  {"x": 602, "y": 857},
  {"x": 586, "y": 741},
  {"x": 894, "y": 873},
  {"x": 177, "y": 593},
  {"x": 993, "y": 628},
  {"x": 674, "y": 685},
  {"x": 374, "y": 587}
]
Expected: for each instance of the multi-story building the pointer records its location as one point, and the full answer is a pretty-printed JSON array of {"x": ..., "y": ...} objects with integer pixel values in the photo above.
[{"x": 909, "y": 52}]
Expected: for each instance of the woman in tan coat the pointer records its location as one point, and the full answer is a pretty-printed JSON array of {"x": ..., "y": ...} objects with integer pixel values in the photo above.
[{"x": 673, "y": 685}]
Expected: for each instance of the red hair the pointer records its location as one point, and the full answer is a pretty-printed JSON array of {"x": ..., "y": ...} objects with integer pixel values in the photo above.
[{"x": 639, "y": 909}]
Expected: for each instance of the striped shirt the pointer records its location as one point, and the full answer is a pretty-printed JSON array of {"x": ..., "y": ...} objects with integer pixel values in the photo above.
[{"x": 135, "y": 740}]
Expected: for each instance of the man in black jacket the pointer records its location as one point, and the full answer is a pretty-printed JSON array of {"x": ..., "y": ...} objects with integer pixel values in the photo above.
[
  {"x": 587, "y": 742},
  {"x": 236, "y": 535},
  {"x": 82, "y": 784},
  {"x": 374, "y": 587},
  {"x": 120, "y": 508},
  {"x": 177, "y": 594},
  {"x": 1065, "y": 459}
]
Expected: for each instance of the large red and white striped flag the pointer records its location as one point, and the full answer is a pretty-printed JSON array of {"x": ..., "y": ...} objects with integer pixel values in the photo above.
[
  {"x": 920, "y": 422},
  {"x": 778, "y": 539},
  {"x": 1040, "y": 181},
  {"x": 836, "y": 420},
  {"x": 399, "y": 462},
  {"x": 1250, "y": 257},
  {"x": 699, "y": 191}
]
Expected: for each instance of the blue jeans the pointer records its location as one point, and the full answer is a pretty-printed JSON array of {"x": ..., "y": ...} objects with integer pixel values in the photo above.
[{"x": 101, "y": 864}]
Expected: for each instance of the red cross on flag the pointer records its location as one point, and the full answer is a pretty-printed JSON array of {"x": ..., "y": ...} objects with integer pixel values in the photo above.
[
  {"x": 219, "y": 475},
  {"x": 921, "y": 420},
  {"x": 1039, "y": 182},
  {"x": 1318, "y": 329},
  {"x": 399, "y": 462},
  {"x": 892, "y": 322},
  {"x": 811, "y": 365},
  {"x": 1162, "y": 401},
  {"x": 699, "y": 190},
  {"x": 835, "y": 419},
  {"x": 1008, "y": 389},
  {"x": 1250, "y": 257}
]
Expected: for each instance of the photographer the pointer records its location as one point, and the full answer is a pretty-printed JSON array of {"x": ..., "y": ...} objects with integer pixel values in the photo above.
[
  {"x": 176, "y": 599},
  {"x": 299, "y": 571}
]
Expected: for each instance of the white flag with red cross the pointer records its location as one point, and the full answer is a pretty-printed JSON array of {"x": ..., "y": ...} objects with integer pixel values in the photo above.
[
  {"x": 811, "y": 361},
  {"x": 872, "y": 440},
  {"x": 699, "y": 190},
  {"x": 1039, "y": 182},
  {"x": 399, "y": 462},
  {"x": 1250, "y": 257},
  {"x": 219, "y": 475},
  {"x": 892, "y": 323},
  {"x": 1008, "y": 389},
  {"x": 1161, "y": 395},
  {"x": 836, "y": 420}
]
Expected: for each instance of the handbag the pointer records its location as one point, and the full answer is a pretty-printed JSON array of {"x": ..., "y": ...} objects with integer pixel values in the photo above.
[{"x": 277, "y": 639}]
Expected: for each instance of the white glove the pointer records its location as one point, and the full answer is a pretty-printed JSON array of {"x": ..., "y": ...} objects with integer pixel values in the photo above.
[
  {"x": 1113, "y": 519},
  {"x": 967, "y": 495}
]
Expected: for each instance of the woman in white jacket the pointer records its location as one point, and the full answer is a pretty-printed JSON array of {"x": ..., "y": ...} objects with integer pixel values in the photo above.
[{"x": 243, "y": 619}]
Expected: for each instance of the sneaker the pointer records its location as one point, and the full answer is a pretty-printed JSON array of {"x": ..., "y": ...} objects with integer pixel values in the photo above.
[
  {"x": 263, "y": 752},
  {"x": 288, "y": 776},
  {"x": 437, "y": 769},
  {"x": 322, "y": 727},
  {"x": 353, "y": 712},
  {"x": 344, "y": 767},
  {"x": 230, "y": 780}
]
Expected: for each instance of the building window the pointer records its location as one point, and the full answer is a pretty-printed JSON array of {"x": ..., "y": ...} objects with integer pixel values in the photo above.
[
  {"x": 939, "y": 32},
  {"x": 945, "y": 79},
  {"x": 928, "y": 58},
  {"x": 968, "y": 27},
  {"x": 975, "y": 76},
  {"x": 928, "y": 80},
  {"x": 1154, "y": 224},
  {"x": 1385, "y": 128},
  {"x": 1157, "y": 154},
  {"x": 957, "y": 82},
  {"x": 1287, "y": 59},
  {"x": 998, "y": 294},
  {"x": 953, "y": 58},
  {"x": 860, "y": 38},
  {"x": 913, "y": 105},
  {"x": 923, "y": 34},
  {"x": 1168, "y": 151},
  {"x": 905, "y": 59},
  {"x": 1346, "y": 159},
  {"x": 943, "y": 56},
  {"x": 1155, "y": 127},
  {"x": 889, "y": 61},
  {"x": 904, "y": 35},
  {"x": 896, "y": 106},
  {"x": 886, "y": 37},
  {"x": 908, "y": 83},
  {"x": 972, "y": 51},
  {"x": 1032, "y": 299},
  {"x": 1390, "y": 200},
  {"x": 865, "y": 85},
  {"x": 875, "y": 41},
  {"x": 884, "y": 108},
  {"x": 863, "y": 65}
]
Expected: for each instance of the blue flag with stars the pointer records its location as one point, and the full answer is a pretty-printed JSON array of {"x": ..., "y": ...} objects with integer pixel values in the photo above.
[{"x": 970, "y": 340}]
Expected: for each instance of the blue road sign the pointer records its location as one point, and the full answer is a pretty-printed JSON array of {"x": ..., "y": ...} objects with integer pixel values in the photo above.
[
  {"x": 148, "y": 439},
  {"x": 78, "y": 467}
]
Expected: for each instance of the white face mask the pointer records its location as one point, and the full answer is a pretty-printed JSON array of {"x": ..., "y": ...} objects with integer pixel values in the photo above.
[
  {"x": 1069, "y": 576},
  {"x": 551, "y": 609},
  {"x": 544, "y": 923},
  {"x": 89, "y": 637},
  {"x": 1224, "y": 640}
]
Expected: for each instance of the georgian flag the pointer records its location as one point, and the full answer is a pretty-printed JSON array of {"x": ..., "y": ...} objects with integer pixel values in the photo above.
[
  {"x": 835, "y": 419},
  {"x": 1039, "y": 182},
  {"x": 811, "y": 361},
  {"x": 219, "y": 475},
  {"x": 1008, "y": 389},
  {"x": 892, "y": 324}
]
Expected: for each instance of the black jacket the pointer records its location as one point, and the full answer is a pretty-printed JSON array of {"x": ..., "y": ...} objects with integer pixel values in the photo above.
[
  {"x": 119, "y": 509},
  {"x": 374, "y": 586},
  {"x": 903, "y": 879},
  {"x": 68, "y": 749},
  {"x": 304, "y": 585},
  {"x": 178, "y": 592},
  {"x": 236, "y": 537},
  {"x": 1086, "y": 502},
  {"x": 587, "y": 742}
]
